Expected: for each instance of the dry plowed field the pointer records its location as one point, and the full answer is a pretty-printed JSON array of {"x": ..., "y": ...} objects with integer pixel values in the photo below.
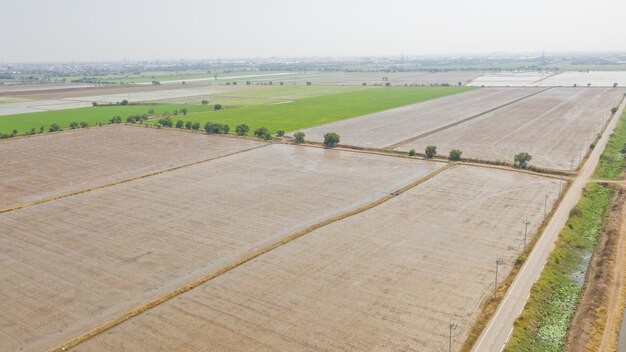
[
  {"x": 383, "y": 129},
  {"x": 553, "y": 126},
  {"x": 388, "y": 279},
  {"x": 44, "y": 166},
  {"x": 74, "y": 263}
]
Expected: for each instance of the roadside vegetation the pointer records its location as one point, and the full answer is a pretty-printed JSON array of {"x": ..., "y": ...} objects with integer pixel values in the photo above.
[
  {"x": 613, "y": 158},
  {"x": 544, "y": 322}
]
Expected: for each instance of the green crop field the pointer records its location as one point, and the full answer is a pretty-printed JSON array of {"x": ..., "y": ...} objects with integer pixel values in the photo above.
[
  {"x": 612, "y": 160},
  {"x": 92, "y": 115},
  {"x": 319, "y": 110}
]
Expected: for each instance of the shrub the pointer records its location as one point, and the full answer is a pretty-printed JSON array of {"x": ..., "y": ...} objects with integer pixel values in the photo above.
[
  {"x": 195, "y": 126},
  {"x": 430, "y": 151},
  {"x": 216, "y": 128},
  {"x": 280, "y": 133},
  {"x": 242, "y": 130},
  {"x": 84, "y": 124},
  {"x": 331, "y": 139},
  {"x": 217, "y": 107},
  {"x": 131, "y": 119},
  {"x": 54, "y": 128},
  {"x": 411, "y": 152},
  {"x": 263, "y": 133},
  {"x": 115, "y": 119},
  {"x": 166, "y": 122},
  {"x": 124, "y": 102},
  {"x": 298, "y": 137},
  {"x": 73, "y": 125},
  {"x": 180, "y": 124},
  {"x": 188, "y": 125},
  {"x": 522, "y": 159},
  {"x": 455, "y": 155}
]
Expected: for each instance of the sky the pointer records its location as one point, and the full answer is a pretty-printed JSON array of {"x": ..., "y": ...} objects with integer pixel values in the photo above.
[{"x": 112, "y": 30}]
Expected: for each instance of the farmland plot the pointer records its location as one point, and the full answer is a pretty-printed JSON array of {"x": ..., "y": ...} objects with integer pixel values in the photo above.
[
  {"x": 582, "y": 79},
  {"x": 39, "y": 167},
  {"x": 389, "y": 279},
  {"x": 555, "y": 127},
  {"x": 385, "y": 128},
  {"x": 73, "y": 264}
]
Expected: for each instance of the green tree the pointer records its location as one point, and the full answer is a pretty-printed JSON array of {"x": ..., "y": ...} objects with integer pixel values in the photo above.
[
  {"x": 280, "y": 133},
  {"x": 188, "y": 125},
  {"x": 131, "y": 119},
  {"x": 522, "y": 159},
  {"x": 115, "y": 119},
  {"x": 431, "y": 151},
  {"x": 263, "y": 133},
  {"x": 180, "y": 124},
  {"x": 195, "y": 126},
  {"x": 54, "y": 128},
  {"x": 455, "y": 155},
  {"x": 73, "y": 125},
  {"x": 242, "y": 130},
  {"x": 331, "y": 139},
  {"x": 84, "y": 124},
  {"x": 205, "y": 102},
  {"x": 124, "y": 102},
  {"x": 217, "y": 107},
  {"x": 614, "y": 110},
  {"x": 184, "y": 111},
  {"x": 298, "y": 137},
  {"x": 411, "y": 152},
  {"x": 166, "y": 122},
  {"x": 216, "y": 128}
]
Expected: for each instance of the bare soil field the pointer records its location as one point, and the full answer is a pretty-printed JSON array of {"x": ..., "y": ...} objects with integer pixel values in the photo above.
[
  {"x": 396, "y": 78},
  {"x": 510, "y": 79},
  {"x": 385, "y": 128},
  {"x": 389, "y": 279},
  {"x": 75, "y": 263},
  {"x": 555, "y": 127},
  {"x": 582, "y": 79},
  {"x": 39, "y": 167},
  {"x": 11, "y": 89}
]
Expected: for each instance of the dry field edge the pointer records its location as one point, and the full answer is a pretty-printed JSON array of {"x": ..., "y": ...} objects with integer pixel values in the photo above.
[{"x": 95, "y": 332}]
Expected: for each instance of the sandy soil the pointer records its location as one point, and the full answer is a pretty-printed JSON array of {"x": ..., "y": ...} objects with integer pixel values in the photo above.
[
  {"x": 387, "y": 127},
  {"x": 39, "y": 167},
  {"x": 389, "y": 279},
  {"x": 553, "y": 126},
  {"x": 75, "y": 263},
  {"x": 594, "y": 323}
]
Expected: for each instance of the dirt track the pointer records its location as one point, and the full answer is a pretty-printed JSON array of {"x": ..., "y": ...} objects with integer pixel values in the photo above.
[{"x": 390, "y": 278}]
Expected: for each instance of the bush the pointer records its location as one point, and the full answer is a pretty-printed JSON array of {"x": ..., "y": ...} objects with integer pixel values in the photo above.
[
  {"x": 180, "y": 124},
  {"x": 217, "y": 107},
  {"x": 411, "y": 152},
  {"x": 263, "y": 133},
  {"x": 115, "y": 119},
  {"x": 430, "y": 151},
  {"x": 166, "y": 122},
  {"x": 131, "y": 119},
  {"x": 455, "y": 155},
  {"x": 188, "y": 125},
  {"x": 280, "y": 133},
  {"x": 84, "y": 124},
  {"x": 54, "y": 128},
  {"x": 73, "y": 125},
  {"x": 331, "y": 139},
  {"x": 242, "y": 130},
  {"x": 298, "y": 137},
  {"x": 522, "y": 159},
  {"x": 195, "y": 126},
  {"x": 124, "y": 102},
  {"x": 216, "y": 128}
]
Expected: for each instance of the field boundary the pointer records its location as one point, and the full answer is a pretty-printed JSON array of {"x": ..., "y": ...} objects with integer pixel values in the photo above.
[
  {"x": 126, "y": 180},
  {"x": 172, "y": 294},
  {"x": 443, "y": 128}
]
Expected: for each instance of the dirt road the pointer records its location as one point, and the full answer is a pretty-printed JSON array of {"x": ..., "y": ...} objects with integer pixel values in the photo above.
[{"x": 499, "y": 329}]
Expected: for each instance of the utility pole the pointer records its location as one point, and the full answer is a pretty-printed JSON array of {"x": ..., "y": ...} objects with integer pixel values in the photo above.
[
  {"x": 495, "y": 289},
  {"x": 545, "y": 207},
  {"x": 452, "y": 327},
  {"x": 526, "y": 223}
]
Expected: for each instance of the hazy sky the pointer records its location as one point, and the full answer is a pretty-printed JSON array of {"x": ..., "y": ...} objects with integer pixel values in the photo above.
[{"x": 88, "y": 30}]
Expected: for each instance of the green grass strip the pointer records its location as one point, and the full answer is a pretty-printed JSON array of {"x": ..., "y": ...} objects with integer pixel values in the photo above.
[
  {"x": 613, "y": 158},
  {"x": 92, "y": 115},
  {"x": 543, "y": 324},
  {"x": 309, "y": 112}
]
